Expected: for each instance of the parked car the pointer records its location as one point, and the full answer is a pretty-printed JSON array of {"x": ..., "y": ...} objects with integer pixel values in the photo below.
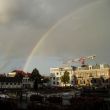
[{"x": 3, "y": 96}]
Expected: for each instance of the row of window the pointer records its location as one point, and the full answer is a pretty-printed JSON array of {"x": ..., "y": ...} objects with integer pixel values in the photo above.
[
  {"x": 93, "y": 81},
  {"x": 25, "y": 80},
  {"x": 56, "y": 78},
  {"x": 3, "y": 83},
  {"x": 54, "y": 83},
  {"x": 61, "y": 73},
  {"x": 57, "y": 73}
]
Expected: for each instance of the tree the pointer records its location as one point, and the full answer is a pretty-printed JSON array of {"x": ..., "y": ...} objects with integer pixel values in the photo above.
[
  {"x": 36, "y": 77},
  {"x": 65, "y": 78}
]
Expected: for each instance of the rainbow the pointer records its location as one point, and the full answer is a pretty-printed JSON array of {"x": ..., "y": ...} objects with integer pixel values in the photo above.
[{"x": 45, "y": 36}]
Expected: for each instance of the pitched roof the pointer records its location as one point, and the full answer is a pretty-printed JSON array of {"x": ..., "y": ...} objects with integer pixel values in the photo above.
[{"x": 20, "y": 72}]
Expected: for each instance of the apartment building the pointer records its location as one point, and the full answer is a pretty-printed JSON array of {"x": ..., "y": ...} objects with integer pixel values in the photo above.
[
  {"x": 16, "y": 80},
  {"x": 93, "y": 75},
  {"x": 82, "y": 76},
  {"x": 10, "y": 83},
  {"x": 56, "y": 73}
]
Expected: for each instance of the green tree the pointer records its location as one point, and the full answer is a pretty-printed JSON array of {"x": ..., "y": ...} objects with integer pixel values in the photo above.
[
  {"x": 36, "y": 77},
  {"x": 65, "y": 78}
]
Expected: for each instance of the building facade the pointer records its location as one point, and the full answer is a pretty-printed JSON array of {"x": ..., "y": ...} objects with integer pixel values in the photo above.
[
  {"x": 27, "y": 83},
  {"x": 16, "y": 80},
  {"x": 10, "y": 83},
  {"x": 56, "y": 73},
  {"x": 81, "y": 76},
  {"x": 93, "y": 75}
]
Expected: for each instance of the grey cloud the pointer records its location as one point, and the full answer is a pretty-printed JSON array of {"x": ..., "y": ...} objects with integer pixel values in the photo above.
[
  {"x": 24, "y": 22},
  {"x": 84, "y": 33}
]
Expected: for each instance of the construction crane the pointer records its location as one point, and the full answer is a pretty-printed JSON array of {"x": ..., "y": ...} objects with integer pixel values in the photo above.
[{"x": 80, "y": 60}]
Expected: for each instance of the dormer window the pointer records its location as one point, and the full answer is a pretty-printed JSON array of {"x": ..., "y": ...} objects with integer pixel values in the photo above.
[{"x": 90, "y": 67}]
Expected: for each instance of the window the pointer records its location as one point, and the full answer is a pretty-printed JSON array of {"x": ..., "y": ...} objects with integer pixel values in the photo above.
[
  {"x": 53, "y": 78},
  {"x": 26, "y": 80},
  {"x": 90, "y": 67},
  {"x": 81, "y": 81},
  {"x": 57, "y": 83},
  {"x": 54, "y": 82},
  {"x": 90, "y": 75}
]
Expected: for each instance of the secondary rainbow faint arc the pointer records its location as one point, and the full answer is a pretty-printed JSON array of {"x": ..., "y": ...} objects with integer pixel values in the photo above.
[{"x": 37, "y": 46}]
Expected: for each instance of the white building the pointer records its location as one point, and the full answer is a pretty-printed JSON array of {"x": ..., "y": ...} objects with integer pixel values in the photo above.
[
  {"x": 56, "y": 73},
  {"x": 15, "y": 83},
  {"x": 27, "y": 83}
]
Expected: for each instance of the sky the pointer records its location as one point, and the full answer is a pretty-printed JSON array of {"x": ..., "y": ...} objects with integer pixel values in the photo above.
[{"x": 57, "y": 30}]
